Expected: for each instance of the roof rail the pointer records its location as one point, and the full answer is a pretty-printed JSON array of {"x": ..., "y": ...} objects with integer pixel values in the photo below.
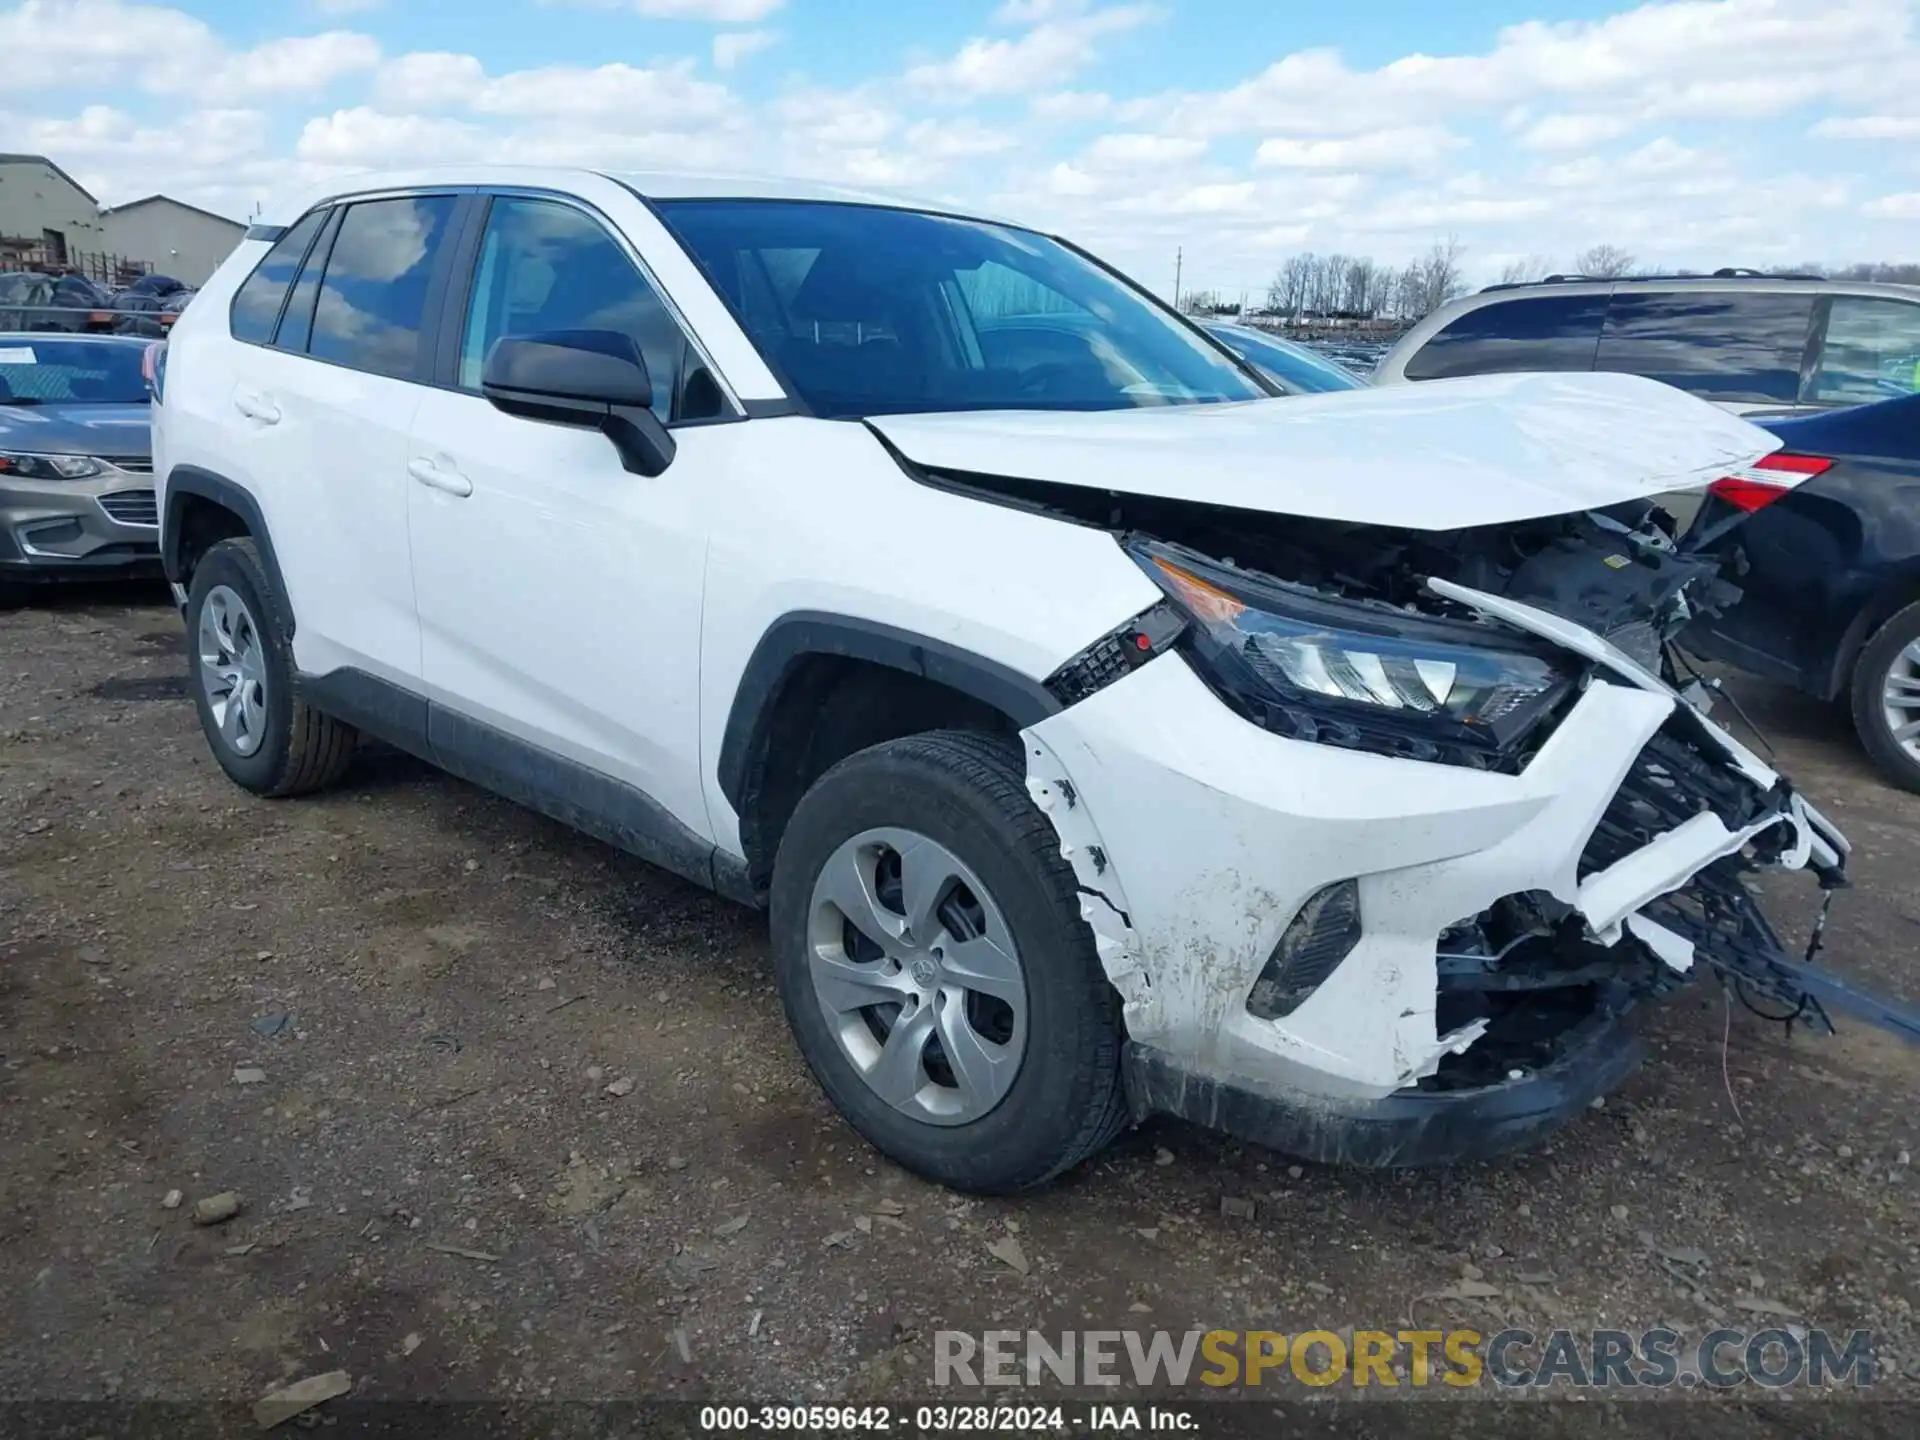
[{"x": 1726, "y": 272}]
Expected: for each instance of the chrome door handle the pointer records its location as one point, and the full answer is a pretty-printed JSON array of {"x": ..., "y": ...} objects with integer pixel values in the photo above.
[
  {"x": 256, "y": 407},
  {"x": 452, "y": 482}
]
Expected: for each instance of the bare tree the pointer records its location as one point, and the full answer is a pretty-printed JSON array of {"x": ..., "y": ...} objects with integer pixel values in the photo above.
[
  {"x": 1883, "y": 271},
  {"x": 1526, "y": 270},
  {"x": 1355, "y": 285},
  {"x": 1380, "y": 282},
  {"x": 1440, "y": 275},
  {"x": 1410, "y": 293},
  {"x": 1604, "y": 262}
]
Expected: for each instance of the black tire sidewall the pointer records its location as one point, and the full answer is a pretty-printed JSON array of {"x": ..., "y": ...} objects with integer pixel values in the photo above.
[
  {"x": 1066, "y": 1070},
  {"x": 1869, "y": 685},
  {"x": 232, "y": 565}
]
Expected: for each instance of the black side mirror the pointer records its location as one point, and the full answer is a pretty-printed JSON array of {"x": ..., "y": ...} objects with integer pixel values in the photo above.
[{"x": 590, "y": 378}]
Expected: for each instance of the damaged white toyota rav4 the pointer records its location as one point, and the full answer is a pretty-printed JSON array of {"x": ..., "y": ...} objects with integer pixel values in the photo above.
[{"x": 1105, "y": 734}]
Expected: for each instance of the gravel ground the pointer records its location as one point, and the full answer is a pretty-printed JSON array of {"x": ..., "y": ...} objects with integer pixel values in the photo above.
[{"x": 513, "y": 1116}]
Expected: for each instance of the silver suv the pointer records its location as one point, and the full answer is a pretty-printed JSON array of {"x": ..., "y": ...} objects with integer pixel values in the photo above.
[{"x": 1749, "y": 343}]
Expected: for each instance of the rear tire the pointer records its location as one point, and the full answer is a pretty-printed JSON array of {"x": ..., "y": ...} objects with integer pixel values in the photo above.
[
  {"x": 960, "y": 796},
  {"x": 1886, "y": 698},
  {"x": 240, "y": 654}
]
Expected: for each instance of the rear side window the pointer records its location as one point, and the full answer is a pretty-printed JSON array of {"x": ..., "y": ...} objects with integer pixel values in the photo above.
[
  {"x": 1872, "y": 351},
  {"x": 256, "y": 306},
  {"x": 1719, "y": 344},
  {"x": 296, "y": 322},
  {"x": 1537, "y": 332},
  {"x": 372, "y": 305}
]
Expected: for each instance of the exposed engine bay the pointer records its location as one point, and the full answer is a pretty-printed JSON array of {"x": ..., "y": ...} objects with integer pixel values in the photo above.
[
  {"x": 1296, "y": 621},
  {"x": 1618, "y": 572}
]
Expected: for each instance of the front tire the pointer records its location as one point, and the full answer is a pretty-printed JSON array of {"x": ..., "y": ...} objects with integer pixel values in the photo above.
[
  {"x": 935, "y": 969},
  {"x": 1886, "y": 698},
  {"x": 239, "y": 647}
]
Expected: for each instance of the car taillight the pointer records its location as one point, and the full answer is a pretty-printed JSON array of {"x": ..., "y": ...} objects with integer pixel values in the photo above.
[
  {"x": 1767, "y": 479},
  {"x": 153, "y": 369}
]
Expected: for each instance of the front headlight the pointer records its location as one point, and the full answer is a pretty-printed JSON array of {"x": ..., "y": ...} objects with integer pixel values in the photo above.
[
  {"x": 1361, "y": 676},
  {"x": 49, "y": 467}
]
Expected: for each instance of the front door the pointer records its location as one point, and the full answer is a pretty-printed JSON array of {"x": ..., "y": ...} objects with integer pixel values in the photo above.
[{"x": 559, "y": 595}]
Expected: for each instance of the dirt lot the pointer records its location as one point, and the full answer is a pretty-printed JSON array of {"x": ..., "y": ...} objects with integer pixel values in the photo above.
[{"x": 444, "y": 1197}]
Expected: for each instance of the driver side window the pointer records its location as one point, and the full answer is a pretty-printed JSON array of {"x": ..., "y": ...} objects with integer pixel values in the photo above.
[{"x": 546, "y": 266}]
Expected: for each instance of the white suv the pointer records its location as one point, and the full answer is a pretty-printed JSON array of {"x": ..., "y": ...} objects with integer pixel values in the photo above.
[{"x": 1104, "y": 734}]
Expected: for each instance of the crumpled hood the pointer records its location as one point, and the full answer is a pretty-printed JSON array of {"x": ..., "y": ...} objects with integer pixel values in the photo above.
[
  {"x": 1441, "y": 455},
  {"x": 113, "y": 431}
]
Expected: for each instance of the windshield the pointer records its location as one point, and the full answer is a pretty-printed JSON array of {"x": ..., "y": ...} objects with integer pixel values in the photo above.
[
  {"x": 1294, "y": 366},
  {"x": 40, "y": 370},
  {"x": 871, "y": 311}
]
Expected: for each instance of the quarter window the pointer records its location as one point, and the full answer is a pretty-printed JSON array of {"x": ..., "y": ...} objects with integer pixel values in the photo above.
[
  {"x": 296, "y": 323},
  {"x": 1872, "y": 351},
  {"x": 1718, "y": 344},
  {"x": 1545, "y": 332},
  {"x": 372, "y": 304},
  {"x": 545, "y": 266},
  {"x": 256, "y": 306}
]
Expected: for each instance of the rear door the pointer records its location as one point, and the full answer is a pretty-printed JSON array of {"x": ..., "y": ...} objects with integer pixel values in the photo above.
[{"x": 325, "y": 406}]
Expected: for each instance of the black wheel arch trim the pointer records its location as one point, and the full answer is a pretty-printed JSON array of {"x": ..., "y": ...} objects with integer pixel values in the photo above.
[
  {"x": 185, "y": 480},
  {"x": 1899, "y": 589},
  {"x": 800, "y": 634}
]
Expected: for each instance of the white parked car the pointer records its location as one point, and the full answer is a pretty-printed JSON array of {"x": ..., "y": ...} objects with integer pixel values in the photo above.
[{"x": 1105, "y": 734}]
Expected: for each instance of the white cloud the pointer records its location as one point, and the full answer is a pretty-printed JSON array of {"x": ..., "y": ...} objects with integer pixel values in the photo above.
[
  {"x": 1708, "y": 58},
  {"x": 730, "y": 47},
  {"x": 81, "y": 43},
  {"x": 1894, "y": 207},
  {"x": 1045, "y": 55},
  {"x": 608, "y": 94},
  {"x": 718, "y": 12},
  {"x": 1869, "y": 127},
  {"x": 1574, "y": 132},
  {"x": 1067, "y": 106},
  {"x": 1690, "y": 132},
  {"x": 364, "y": 137},
  {"x": 294, "y": 66},
  {"x": 429, "y": 80},
  {"x": 943, "y": 140},
  {"x": 1144, "y": 151},
  {"x": 1404, "y": 148}
]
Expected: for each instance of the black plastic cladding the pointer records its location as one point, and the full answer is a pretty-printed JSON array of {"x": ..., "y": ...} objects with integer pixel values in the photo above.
[
  {"x": 1117, "y": 654},
  {"x": 1320, "y": 937}
]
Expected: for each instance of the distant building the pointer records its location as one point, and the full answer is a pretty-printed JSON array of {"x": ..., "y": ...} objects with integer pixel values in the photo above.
[
  {"x": 44, "y": 210},
  {"x": 175, "y": 238},
  {"x": 47, "y": 219}
]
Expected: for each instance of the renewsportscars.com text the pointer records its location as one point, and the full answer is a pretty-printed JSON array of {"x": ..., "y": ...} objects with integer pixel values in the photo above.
[{"x": 1612, "y": 1359}]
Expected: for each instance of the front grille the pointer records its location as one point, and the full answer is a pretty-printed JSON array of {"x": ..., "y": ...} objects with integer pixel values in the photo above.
[
  {"x": 131, "y": 507},
  {"x": 1674, "y": 778},
  {"x": 132, "y": 464}
]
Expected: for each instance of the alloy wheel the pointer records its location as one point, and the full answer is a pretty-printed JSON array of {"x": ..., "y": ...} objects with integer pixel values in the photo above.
[{"x": 1900, "y": 699}]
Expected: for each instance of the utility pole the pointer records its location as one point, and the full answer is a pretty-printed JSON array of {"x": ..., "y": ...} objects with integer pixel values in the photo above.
[{"x": 1178, "y": 255}]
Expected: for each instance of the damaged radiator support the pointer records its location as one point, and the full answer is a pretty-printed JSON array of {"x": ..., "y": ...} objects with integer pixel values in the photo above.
[{"x": 1671, "y": 782}]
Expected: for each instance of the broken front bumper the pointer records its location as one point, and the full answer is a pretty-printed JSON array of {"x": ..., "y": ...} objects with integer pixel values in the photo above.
[{"x": 1198, "y": 837}]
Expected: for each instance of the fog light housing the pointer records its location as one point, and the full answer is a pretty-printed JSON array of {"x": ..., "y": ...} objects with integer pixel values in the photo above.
[{"x": 1320, "y": 937}]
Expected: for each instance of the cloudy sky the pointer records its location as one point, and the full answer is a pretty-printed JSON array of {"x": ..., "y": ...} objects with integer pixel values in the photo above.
[{"x": 1690, "y": 133}]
